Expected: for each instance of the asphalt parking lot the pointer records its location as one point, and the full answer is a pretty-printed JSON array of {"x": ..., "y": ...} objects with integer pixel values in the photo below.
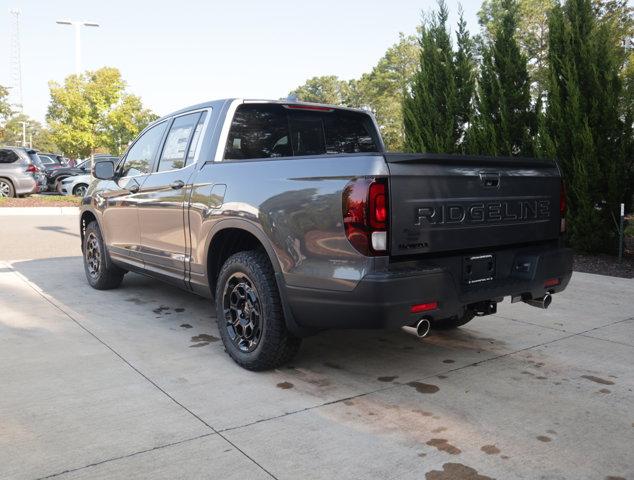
[{"x": 134, "y": 383}]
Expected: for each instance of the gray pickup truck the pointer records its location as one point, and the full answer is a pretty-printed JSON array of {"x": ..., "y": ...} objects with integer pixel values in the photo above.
[{"x": 294, "y": 219}]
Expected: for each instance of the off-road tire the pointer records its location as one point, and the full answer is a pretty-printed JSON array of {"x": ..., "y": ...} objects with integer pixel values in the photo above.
[
  {"x": 276, "y": 345},
  {"x": 454, "y": 322},
  {"x": 107, "y": 275}
]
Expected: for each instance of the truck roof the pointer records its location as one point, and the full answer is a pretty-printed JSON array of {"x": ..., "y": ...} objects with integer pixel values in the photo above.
[{"x": 220, "y": 102}]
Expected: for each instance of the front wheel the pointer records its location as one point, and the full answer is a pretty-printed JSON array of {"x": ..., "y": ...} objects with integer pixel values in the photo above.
[
  {"x": 101, "y": 273},
  {"x": 249, "y": 313},
  {"x": 80, "y": 190}
]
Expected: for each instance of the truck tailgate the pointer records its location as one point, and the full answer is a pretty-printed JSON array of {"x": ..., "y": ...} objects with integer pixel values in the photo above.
[{"x": 442, "y": 203}]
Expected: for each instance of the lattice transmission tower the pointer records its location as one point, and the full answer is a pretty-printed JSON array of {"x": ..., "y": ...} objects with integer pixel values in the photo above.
[{"x": 15, "y": 62}]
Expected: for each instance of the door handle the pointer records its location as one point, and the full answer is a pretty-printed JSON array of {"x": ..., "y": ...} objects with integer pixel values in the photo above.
[{"x": 177, "y": 184}]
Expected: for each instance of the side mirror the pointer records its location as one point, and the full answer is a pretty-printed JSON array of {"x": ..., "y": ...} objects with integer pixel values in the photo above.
[{"x": 103, "y": 170}]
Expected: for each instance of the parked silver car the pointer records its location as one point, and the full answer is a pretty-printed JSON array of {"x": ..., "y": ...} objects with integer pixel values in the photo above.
[{"x": 21, "y": 172}]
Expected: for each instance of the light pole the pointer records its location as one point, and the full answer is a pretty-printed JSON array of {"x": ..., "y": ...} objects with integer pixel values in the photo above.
[
  {"x": 23, "y": 133},
  {"x": 77, "y": 25}
]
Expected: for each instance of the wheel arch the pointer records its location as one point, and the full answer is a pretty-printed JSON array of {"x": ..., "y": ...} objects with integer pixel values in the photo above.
[{"x": 232, "y": 236}]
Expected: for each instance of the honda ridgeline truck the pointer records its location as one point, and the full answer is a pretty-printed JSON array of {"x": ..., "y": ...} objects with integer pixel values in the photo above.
[{"x": 295, "y": 219}]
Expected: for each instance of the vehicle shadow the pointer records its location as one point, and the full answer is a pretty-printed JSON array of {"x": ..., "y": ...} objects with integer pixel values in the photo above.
[{"x": 146, "y": 308}]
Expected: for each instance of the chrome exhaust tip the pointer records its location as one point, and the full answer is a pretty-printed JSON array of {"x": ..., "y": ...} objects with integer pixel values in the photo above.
[
  {"x": 543, "y": 302},
  {"x": 421, "y": 329}
]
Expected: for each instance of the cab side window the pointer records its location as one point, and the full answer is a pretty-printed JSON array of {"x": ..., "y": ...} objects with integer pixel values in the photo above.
[
  {"x": 174, "y": 155},
  {"x": 139, "y": 159}
]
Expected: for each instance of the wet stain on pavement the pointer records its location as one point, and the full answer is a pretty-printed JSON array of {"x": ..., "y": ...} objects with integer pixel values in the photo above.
[
  {"x": 204, "y": 337},
  {"x": 449, "y": 360},
  {"x": 442, "y": 377},
  {"x": 444, "y": 446},
  {"x": 504, "y": 457},
  {"x": 161, "y": 309},
  {"x": 179, "y": 310},
  {"x": 201, "y": 344},
  {"x": 136, "y": 301},
  {"x": 348, "y": 402},
  {"x": 335, "y": 366},
  {"x": 611, "y": 477},
  {"x": 455, "y": 471},
  {"x": 422, "y": 454},
  {"x": 543, "y": 438},
  {"x": 602, "y": 381},
  {"x": 490, "y": 449},
  {"x": 186, "y": 325},
  {"x": 604, "y": 390},
  {"x": 429, "y": 414},
  {"x": 285, "y": 385},
  {"x": 387, "y": 379},
  {"x": 423, "y": 387}
]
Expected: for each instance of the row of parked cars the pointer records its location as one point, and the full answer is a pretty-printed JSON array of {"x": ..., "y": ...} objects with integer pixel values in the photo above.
[{"x": 24, "y": 171}]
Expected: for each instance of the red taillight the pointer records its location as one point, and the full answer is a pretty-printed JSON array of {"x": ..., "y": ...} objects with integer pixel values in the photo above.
[
  {"x": 378, "y": 205},
  {"x": 365, "y": 211},
  {"x": 423, "y": 307},
  {"x": 32, "y": 168},
  {"x": 551, "y": 282}
]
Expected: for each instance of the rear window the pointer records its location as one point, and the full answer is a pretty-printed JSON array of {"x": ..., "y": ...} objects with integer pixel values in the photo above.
[
  {"x": 273, "y": 131},
  {"x": 8, "y": 156}
]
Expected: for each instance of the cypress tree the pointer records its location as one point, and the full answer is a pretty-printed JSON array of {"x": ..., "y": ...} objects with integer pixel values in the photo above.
[
  {"x": 465, "y": 78},
  {"x": 505, "y": 119},
  {"x": 584, "y": 125},
  {"x": 429, "y": 108}
]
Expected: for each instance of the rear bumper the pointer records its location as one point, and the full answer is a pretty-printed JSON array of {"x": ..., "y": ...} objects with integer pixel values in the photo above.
[{"x": 383, "y": 300}]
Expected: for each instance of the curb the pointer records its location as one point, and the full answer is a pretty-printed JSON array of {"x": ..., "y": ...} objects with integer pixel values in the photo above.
[{"x": 45, "y": 211}]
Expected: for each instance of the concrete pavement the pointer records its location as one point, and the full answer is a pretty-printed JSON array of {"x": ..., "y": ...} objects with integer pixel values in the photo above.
[{"x": 133, "y": 383}]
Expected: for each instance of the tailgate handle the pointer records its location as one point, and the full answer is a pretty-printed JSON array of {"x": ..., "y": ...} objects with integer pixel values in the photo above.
[{"x": 490, "y": 180}]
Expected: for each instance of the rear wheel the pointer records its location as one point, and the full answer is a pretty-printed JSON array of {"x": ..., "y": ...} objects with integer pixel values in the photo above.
[
  {"x": 453, "y": 322},
  {"x": 101, "y": 273},
  {"x": 249, "y": 313},
  {"x": 6, "y": 188}
]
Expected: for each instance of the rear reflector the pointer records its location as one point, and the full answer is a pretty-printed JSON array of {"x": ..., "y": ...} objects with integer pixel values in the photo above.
[
  {"x": 551, "y": 282},
  {"x": 423, "y": 307}
]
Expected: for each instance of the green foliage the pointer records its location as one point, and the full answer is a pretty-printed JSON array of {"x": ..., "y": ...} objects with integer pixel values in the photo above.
[
  {"x": 39, "y": 135},
  {"x": 531, "y": 33},
  {"x": 87, "y": 109},
  {"x": 588, "y": 123},
  {"x": 5, "y": 106},
  {"x": 326, "y": 89},
  {"x": 506, "y": 119},
  {"x": 380, "y": 90},
  {"x": 430, "y": 108},
  {"x": 124, "y": 122},
  {"x": 465, "y": 81}
]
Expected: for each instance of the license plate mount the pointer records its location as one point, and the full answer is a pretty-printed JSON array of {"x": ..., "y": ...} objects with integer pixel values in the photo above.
[{"x": 478, "y": 269}]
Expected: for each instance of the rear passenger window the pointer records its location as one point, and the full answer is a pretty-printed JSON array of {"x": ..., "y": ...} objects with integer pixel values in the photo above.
[
  {"x": 175, "y": 150},
  {"x": 258, "y": 131},
  {"x": 8, "y": 156},
  {"x": 264, "y": 130}
]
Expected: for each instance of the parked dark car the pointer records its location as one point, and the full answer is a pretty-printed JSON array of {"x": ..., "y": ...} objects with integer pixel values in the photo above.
[
  {"x": 295, "y": 219},
  {"x": 21, "y": 172}
]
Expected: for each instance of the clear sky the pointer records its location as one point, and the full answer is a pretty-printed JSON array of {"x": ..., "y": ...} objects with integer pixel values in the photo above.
[{"x": 176, "y": 53}]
